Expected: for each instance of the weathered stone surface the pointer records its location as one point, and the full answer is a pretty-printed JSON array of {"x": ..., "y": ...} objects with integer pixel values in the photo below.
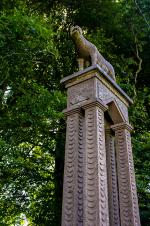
[
  {"x": 113, "y": 198},
  {"x": 108, "y": 94},
  {"x": 88, "y": 53},
  {"x": 129, "y": 212},
  {"x": 81, "y": 92},
  {"x": 99, "y": 181},
  {"x": 95, "y": 190}
]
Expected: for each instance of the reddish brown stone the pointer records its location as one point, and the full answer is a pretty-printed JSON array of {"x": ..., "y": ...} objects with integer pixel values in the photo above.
[{"x": 99, "y": 182}]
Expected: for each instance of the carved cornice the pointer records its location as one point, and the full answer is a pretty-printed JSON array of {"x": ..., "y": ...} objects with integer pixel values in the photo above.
[{"x": 121, "y": 126}]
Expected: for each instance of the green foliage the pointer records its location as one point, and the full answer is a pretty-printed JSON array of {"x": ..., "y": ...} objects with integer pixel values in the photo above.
[
  {"x": 142, "y": 165},
  {"x": 35, "y": 53},
  {"x": 31, "y": 106}
]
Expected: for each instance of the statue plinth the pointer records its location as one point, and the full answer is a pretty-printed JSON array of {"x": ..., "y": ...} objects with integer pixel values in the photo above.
[{"x": 99, "y": 182}]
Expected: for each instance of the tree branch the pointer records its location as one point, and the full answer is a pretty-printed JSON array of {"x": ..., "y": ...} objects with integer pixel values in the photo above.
[
  {"x": 139, "y": 66},
  {"x": 146, "y": 21}
]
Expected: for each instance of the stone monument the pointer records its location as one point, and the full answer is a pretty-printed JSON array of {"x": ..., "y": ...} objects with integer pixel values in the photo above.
[{"x": 99, "y": 181}]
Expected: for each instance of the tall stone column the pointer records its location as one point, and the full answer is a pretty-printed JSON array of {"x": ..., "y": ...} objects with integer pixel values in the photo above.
[
  {"x": 72, "y": 211},
  {"x": 113, "y": 200},
  {"x": 95, "y": 182},
  {"x": 85, "y": 196},
  {"x": 129, "y": 212}
]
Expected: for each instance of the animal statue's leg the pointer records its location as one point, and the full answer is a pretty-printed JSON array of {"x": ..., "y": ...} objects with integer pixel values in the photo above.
[{"x": 81, "y": 63}]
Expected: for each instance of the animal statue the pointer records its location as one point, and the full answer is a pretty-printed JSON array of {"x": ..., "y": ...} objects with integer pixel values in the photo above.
[{"x": 88, "y": 53}]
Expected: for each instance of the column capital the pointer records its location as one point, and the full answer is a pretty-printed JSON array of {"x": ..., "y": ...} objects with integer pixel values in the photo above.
[
  {"x": 123, "y": 125},
  {"x": 79, "y": 108},
  {"x": 71, "y": 111},
  {"x": 95, "y": 102}
]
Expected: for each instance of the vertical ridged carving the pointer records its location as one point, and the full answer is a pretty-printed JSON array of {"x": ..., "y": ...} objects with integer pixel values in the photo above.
[
  {"x": 123, "y": 178},
  {"x": 91, "y": 173},
  {"x": 69, "y": 190},
  {"x": 127, "y": 188},
  {"x": 72, "y": 213},
  {"x": 136, "y": 217},
  {"x": 112, "y": 180},
  {"x": 80, "y": 173},
  {"x": 102, "y": 172},
  {"x": 96, "y": 200}
]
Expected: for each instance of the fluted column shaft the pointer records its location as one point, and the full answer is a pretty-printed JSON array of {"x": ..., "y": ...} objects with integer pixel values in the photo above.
[
  {"x": 95, "y": 183},
  {"x": 129, "y": 212},
  {"x": 112, "y": 179},
  {"x": 72, "y": 210}
]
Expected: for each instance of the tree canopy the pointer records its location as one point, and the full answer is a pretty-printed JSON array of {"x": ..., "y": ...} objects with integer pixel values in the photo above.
[{"x": 36, "y": 51}]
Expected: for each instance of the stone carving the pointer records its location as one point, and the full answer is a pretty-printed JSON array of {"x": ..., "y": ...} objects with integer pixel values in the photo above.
[
  {"x": 99, "y": 181},
  {"x": 80, "y": 94},
  {"x": 103, "y": 191},
  {"x": 73, "y": 181},
  {"x": 132, "y": 178},
  {"x": 88, "y": 53},
  {"x": 69, "y": 180},
  {"x": 80, "y": 173},
  {"x": 96, "y": 196},
  {"x": 91, "y": 172},
  {"x": 129, "y": 213},
  {"x": 112, "y": 180},
  {"x": 123, "y": 182},
  {"x": 105, "y": 95}
]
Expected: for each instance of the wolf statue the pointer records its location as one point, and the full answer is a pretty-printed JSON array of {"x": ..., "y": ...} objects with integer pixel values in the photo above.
[{"x": 88, "y": 53}]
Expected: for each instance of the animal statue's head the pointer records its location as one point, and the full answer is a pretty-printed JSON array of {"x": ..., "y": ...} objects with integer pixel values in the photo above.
[{"x": 75, "y": 32}]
